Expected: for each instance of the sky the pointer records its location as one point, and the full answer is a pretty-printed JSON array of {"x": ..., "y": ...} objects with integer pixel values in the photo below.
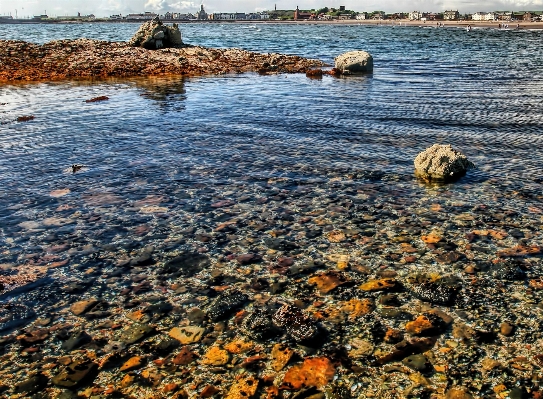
[{"x": 104, "y": 8}]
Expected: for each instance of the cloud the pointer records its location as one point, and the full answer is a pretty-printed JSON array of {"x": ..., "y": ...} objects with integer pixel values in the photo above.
[
  {"x": 156, "y": 5},
  {"x": 183, "y": 5}
]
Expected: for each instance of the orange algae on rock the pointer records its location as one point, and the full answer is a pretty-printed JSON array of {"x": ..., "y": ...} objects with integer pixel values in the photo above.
[{"x": 314, "y": 372}]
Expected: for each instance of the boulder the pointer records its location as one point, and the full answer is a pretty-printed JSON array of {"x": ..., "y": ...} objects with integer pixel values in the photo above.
[
  {"x": 354, "y": 62},
  {"x": 441, "y": 163},
  {"x": 154, "y": 35}
]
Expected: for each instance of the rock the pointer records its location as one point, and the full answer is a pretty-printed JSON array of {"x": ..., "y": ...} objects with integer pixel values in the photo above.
[
  {"x": 77, "y": 340},
  {"x": 80, "y": 307},
  {"x": 244, "y": 388},
  {"x": 153, "y": 35},
  {"x": 187, "y": 335},
  {"x": 360, "y": 348},
  {"x": 184, "y": 357},
  {"x": 354, "y": 62},
  {"x": 32, "y": 385},
  {"x": 187, "y": 264},
  {"x": 133, "y": 363},
  {"x": 216, "y": 356},
  {"x": 76, "y": 374},
  {"x": 380, "y": 285},
  {"x": 225, "y": 304},
  {"x": 416, "y": 362},
  {"x": 426, "y": 324},
  {"x": 134, "y": 333},
  {"x": 314, "y": 372},
  {"x": 281, "y": 355},
  {"x": 506, "y": 329},
  {"x": 441, "y": 163},
  {"x": 258, "y": 324},
  {"x": 327, "y": 281},
  {"x": 15, "y": 315},
  {"x": 298, "y": 325}
]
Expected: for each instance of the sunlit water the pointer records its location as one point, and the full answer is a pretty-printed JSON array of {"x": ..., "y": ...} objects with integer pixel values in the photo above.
[{"x": 480, "y": 91}]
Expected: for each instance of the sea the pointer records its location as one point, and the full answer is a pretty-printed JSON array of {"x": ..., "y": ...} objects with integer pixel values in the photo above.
[{"x": 221, "y": 165}]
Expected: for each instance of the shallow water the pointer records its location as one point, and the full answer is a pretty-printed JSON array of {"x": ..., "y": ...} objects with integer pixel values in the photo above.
[{"x": 166, "y": 161}]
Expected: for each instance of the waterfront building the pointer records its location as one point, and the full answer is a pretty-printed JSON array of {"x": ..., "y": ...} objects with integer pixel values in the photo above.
[
  {"x": 299, "y": 15},
  {"x": 451, "y": 15},
  {"x": 415, "y": 16}
]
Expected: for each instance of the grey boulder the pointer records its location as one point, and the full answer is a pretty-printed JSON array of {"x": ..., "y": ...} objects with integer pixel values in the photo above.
[
  {"x": 154, "y": 35},
  {"x": 441, "y": 163},
  {"x": 354, "y": 62}
]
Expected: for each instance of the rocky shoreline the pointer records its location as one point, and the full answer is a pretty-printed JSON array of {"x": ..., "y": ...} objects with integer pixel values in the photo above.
[{"x": 85, "y": 58}]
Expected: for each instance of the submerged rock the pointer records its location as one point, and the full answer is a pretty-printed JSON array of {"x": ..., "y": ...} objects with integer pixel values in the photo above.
[
  {"x": 441, "y": 163},
  {"x": 354, "y": 62},
  {"x": 226, "y": 304},
  {"x": 154, "y": 35},
  {"x": 297, "y": 324}
]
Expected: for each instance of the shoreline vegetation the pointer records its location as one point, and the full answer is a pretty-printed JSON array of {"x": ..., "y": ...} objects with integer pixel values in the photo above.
[
  {"x": 86, "y": 58},
  {"x": 386, "y": 22}
]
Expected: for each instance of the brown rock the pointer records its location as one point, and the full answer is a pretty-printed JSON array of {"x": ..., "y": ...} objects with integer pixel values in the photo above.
[
  {"x": 458, "y": 393},
  {"x": 209, "y": 391},
  {"x": 239, "y": 346},
  {"x": 81, "y": 307},
  {"x": 358, "y": 307},
  {"x": 506, "y": 329},
  {"x": 133, "y": 363},
  {"x": 336, "y": 236},
  {"x": 379, "y": 285},
  {"x": 187, "y": 335},
  {"x": 314, "y": 372},
  {"x": 184, "y": 357},
  {"x": 127, "y": 381},
  {"x": 425, "y": 324},
  {"x": 244, "y": 388},
  {"x": 327, "y": 281},
  {"x": 216, "y": 356},
  {"x": 281, "y": 355}
]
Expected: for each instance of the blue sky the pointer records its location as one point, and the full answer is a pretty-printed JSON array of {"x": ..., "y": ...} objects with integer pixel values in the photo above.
[{"x": 107, "y": 7}]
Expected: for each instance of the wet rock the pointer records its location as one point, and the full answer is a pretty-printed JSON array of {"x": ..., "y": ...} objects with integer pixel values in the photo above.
[
  {"x": 258, "y": 324},
  {"x": 280, "y": 245},
  {"x": 226, "y": 304},
  {"x": 244, "y": 387},
  {"x": 434, "y": 291},
  {"x": 154, "y": 35},
  {"x": 407, "y": 348},
  {"x": 506, "y": 329},
  {"x": 247, "y": 259},
  {"x": 33, "y": 337},
  {"x": 327, "y": 281},
  {"x": 31, "y": 385},
  {"x": 216, "y": 356},
  {"x": 354, "y": 62},
  {"x": 187, "y": 335},
  {"x": 187, "y": 264},
  {"x": 314, "y": 372},
  {"x": 508, "y": 270},
  {"x": 80, "y": 307},
  {"x": 184, "y": 357},
  {"x": 441, "y": 163},
  {"x": 385, "y": 284},
  {"x": 145, "y": 259},
  {"x": 416, "y": 362},
  {"x": 281, "y": 355},
  {"x": 297, "y": 324},
  {"x": 133, "y": 363},
  {"x": 135, "y": 332},
  {"x": 426, "y": 324},
  {"x": 360, "y": 348},
  {"x": 76, "y": 374},
  {"x": 76, "y": 340}
]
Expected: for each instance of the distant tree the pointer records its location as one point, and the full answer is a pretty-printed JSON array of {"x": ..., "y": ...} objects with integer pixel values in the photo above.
[{"x": 323, "y": 10}]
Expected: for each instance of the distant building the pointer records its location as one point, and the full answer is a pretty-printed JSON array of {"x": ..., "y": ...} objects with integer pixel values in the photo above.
[
  {"x": 504, "y": 15},
  {"x": 202, "y": 15},
  {"x": 451, "y": 15},
  {"x": 345, "y": 16},
  {"x": 6, "y": 17},
  {"x": 116, "y": 17},
  {"x": 415, "y": 16},
  {"x": 298, "y": 15},
  {"x": 146, "y": 16},
  {"x": 361, "y": 16},
  {"x": 40, "y": 17},
  {"x": 483, "y": 16},
  {"x": 341, "y": 8}
]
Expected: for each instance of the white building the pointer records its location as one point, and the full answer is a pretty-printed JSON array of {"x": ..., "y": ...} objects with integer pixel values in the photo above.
[
  {"x": 415, "y": 16},
  {"x": 483, "y": 16},
  {"x": 361, "y": 16}
]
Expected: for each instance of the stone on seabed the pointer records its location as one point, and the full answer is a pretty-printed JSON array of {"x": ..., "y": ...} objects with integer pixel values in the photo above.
[
  {"x": 354, "y": 62},
  {"x": 154, "y": 35},
  {"x": 441, "y": 163}
]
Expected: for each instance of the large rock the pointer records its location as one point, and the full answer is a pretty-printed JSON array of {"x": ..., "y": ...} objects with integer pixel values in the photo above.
[
  {"x": 354, "y": 62},
  {"x": 441, "y": 163},
  {"x": 154, "y": 35}
]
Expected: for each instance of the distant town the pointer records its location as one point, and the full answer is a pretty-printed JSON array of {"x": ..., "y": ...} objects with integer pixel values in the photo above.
[{"x": 324, "y": 13}]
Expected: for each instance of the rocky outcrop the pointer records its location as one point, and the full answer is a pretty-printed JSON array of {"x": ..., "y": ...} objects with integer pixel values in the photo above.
[
  {"x": 63, "y": 59},
  {"x": 354, "y": 62},
  {"x": 441, "y": 163},
  {"x": 154, "y": 35}
]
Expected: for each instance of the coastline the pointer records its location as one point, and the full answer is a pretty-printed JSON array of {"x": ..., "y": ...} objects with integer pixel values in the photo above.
[{"x": 522, "y": 25}]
